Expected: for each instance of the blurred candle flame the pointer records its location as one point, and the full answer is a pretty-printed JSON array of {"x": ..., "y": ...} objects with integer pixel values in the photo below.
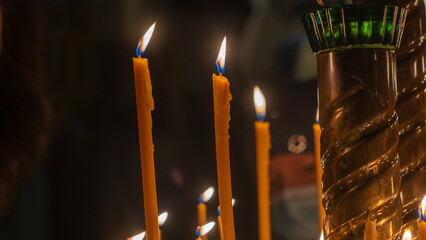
[
  {"x": 140, "y": 236},
  {"x": 143, "y": 42},
  {"x": 422, "y": 209},
  {"x": 317, "y": 116},
  {"x": 220, "y": 61},
  {"x": 206, "y": 195},
  {"x": 407, "y": 235},
  {"x": 162, "y": 219},
  {"x": 203, "y": 230},
  {"x": 218, "y": 208},
  {"x": 322, "y": 235},
  {"x": 259, "y": 103}
]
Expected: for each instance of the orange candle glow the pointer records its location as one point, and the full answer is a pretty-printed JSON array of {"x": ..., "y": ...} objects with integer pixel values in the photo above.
[
  {"x": 221, "y": 98},
  {"x": 145, "y": 104},
  {"x": 202, "y": 207},
  {"x": 319, "y": 171},
  {"x": 263, "y": 144},
  {"x": 422, "y": 223}
]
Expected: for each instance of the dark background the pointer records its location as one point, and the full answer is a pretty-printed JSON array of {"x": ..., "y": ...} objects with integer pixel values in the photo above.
[{"x": 88, "y": 185}]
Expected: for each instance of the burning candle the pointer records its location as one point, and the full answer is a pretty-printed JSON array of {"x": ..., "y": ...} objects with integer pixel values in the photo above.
[
  {"x": 140, "y": 236},
  {"x": 407, "y": 235},
  {"x": 322, "y": 235},
  {"x": 422, "y": 216},
  {"x": 219, "y": 220},
  {"x": 202, "y": 208},
  {"x": 221, "y": 98},
  {"x": 263, "y": 144},
  {"x": 203, "y": 230},
  {"x": 161, "y": 220},
  {"x": 145, "y": 104},
  {"x": 370, "y": 232},
  {"x": 317, "y": 145}
]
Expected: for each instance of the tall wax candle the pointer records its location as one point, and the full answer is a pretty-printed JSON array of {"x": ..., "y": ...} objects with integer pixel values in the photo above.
[
  {"x": 219, "y": 220},
  {"x": 145, "y": 104},
  {"x": 263, "y": 144},
  {"x": 422, "y": 219},
  {"x": 202, "y": 208},
  {"x": 221, "y": 98},
  {"x": 317, "y": 145}
]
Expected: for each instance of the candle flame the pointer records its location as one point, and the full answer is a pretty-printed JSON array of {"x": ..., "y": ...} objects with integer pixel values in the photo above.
[
  {"x": 143, "y": 42},
  {"x": 140, "y": 236},
  {"x": 206, "y": 195},
  {"x": 317, "y": 116},
  {"x": 220, "y": 61},
  {"x": 218, "y": 207},
  {"x": 407, "y": 235},
  {"x": 422, "y": 209},
  {"x": 322, "y": 235},
  {"x": 203, "y": 230},
  {"x": 162, "y": 219},
  {"x": 259, "y": 103}
]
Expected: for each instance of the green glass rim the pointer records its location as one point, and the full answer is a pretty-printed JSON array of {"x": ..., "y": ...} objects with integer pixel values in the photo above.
[{"x": 355, "y": 26}]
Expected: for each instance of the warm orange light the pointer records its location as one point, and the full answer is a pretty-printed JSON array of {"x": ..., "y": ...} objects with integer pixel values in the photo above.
[
  {"x": 143, "y": 42},
  {"x": 203, "y": 230},
  {"x": 407, "y": 235},
  {"x": 220, "y": 61},
  {"x": 422, "y": 209},
  {"x": 322, "y": 235},
  {"x": 206, "y": 195},
  {"x": 140, "y": 236},
  {"x": 162, "y": 219},
  {"x": 259, "y": 103}
]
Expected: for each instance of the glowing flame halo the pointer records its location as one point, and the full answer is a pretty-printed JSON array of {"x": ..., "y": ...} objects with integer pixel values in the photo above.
[
  {"x": 259, "y": 103},
  {"x": 143, "y": 42},
  {"x": 407, "y": 235},
  {"x": 422, "y": 209},
  {"x": 140, "y": 236},
  {"x": 322, "y": 235},
  {"x": 162, "y": 219},
  {"x": 203, "y": 230},
  {"x": 206, "y": 195},
  {"x": 220, "y": 61}
]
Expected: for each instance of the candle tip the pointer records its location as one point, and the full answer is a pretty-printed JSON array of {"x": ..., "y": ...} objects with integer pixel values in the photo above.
[
  {"x": 322, "y": 235},
  {"x": 203, "y": 230},
  {"x": 140, "y": 236},
  {"x": 162, "y": 219},
  {"x": 422, "y": 209},
  {"x": 259, "y": 103},
  {"x": 206, "y": 195},
  {"x": 220, "y": 61},
  {"x": 143, "y": 42},
  {"x": 407, "y": 235}
]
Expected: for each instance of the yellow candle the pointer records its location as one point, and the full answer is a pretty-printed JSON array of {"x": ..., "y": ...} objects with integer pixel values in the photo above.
[
  {"x": 221, "y": 98},
  {"x": 203, "y": 230},
  {"x": 202, "y": 208},
  {"x": 263, "y": 144},
  {"x": 317, "y": 145},
  {"x": 161, "y": 220},
  {"x": 407, "y": 235},
  {"x": 422, "y": 223},
  {"x": 370, "y": 232},
  {"x": 145, "y": 104}
]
